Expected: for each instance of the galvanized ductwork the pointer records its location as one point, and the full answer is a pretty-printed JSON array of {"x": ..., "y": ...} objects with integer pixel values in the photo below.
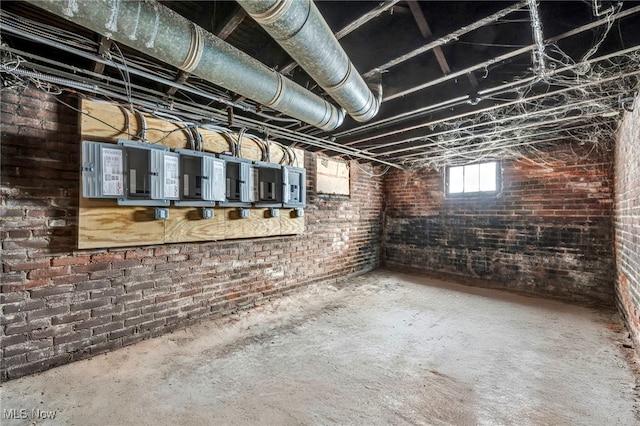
[
  {"x": 300, "y": 29},
  {"x": 161, "y": 33}
]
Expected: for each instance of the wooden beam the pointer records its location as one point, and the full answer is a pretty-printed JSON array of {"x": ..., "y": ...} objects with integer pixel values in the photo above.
[
  {"x": 425, "y": 30},
  {"x": 234, "y": 21},
  {"x": 446, "y": 39},
  {"x": 373, "y": 13},
  {"x": 103, "y": 47},
  {"x": 180, "y": 79}
]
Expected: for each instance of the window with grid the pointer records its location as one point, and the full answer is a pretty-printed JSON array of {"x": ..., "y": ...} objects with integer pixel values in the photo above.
[{"x": 473, "y": 179}]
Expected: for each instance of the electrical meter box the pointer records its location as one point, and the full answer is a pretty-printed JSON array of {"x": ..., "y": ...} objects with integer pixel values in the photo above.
[
  {"x": 202, "y": 179},
  {"x": 239, "y": 182},
  {"x": 152, "y": 174},
  {"x": 102, "y": 170},
  {"x": 267, "y": 184},
  {"x": 294, "y": 182}
]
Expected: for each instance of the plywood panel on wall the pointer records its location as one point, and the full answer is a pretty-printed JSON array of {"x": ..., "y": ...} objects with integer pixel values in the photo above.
[
  {"x": 186, "y": 224},
  {"x": 105, "y": 122},
  {"x": 259, "y": 224},
  {"x": 332, "y": 177},
  {"x": 290, "y": 223},
  {"x": 103, "y": 224}
]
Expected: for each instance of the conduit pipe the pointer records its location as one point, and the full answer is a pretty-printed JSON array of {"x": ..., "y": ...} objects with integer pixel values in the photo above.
[
  {"x": 539, "y": 61},
  {"x": 155, "y": 30},
  {"x": 300, "y": 29}
]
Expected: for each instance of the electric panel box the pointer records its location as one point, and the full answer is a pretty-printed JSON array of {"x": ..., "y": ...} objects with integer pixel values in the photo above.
[
  {"x": 202, "y": 179},
  {"x": 267, "y": 184},
  {"x": 102, "y": 170},
  {"x": 152, "y": 174},
  {"x": 239, "y": 182},
  {"x": 294, "y": 182}
]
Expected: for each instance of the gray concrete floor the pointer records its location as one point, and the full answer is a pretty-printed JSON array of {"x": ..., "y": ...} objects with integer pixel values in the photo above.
[{"x": 385, "y": 349}]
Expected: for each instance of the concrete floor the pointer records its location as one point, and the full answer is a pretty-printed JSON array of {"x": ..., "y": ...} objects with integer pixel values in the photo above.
[{"x": 387, "y": 349}]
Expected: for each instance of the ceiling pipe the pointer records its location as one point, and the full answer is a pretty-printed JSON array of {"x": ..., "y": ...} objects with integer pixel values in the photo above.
[
  {"x": 155, "y": 30},
  {"x": 300, "y": 29}
]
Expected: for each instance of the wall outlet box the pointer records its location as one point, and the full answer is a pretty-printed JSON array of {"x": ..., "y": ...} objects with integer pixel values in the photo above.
[
  {"x": 161, "y": 214},
  {"x": 207, "y": 213}
]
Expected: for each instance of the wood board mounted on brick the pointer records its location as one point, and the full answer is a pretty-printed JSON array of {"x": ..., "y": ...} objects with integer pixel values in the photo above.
[{"x": 102, "y": 223}]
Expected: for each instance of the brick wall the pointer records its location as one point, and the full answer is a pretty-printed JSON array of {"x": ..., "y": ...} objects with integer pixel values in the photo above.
[
  {"x": 627, "y": 220},
  {"x": 62, "y": 304},
  {"x": 548, "y": 233}
]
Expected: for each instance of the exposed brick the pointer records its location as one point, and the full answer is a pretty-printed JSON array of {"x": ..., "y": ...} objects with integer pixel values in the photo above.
[
  {"x": 26, "y": 266},
  {"x": 70, "y": 260},
  {"x": 139, "y": 254},
  {"x": 627, "y": 220},
  {"x": 92, "y": 267},
  {"x": 93, "y": 285},
  {"x": 47, "y": 312},
  {"x": 517, "y": 240},
  {"x": 25, "y": 306},
  {"x": 51, "y": 290},
  {"x": 47, "y": 272},
  {"x": 72, "y": 337},
  {"x": 121, "y": 333},
  {"x": 106, "y": 257},
  {"x": 68, "y": 318},
  {"x": 90, "y": 304},
  {"x": 6, "y": 341},
  {"x": 152, "y": 288},
  {"x": 94, "y": 322},
  {"x": 70, "y": 279},
  {"x": 139, "y": 286},
  {"x": 31, "y": 345},
  {"x": 138, "y": 320},
  {"x": 23, "y": 285}
]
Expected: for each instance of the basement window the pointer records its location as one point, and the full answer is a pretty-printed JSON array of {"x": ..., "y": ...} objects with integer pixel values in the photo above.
[{"x": 473, "y": 179}]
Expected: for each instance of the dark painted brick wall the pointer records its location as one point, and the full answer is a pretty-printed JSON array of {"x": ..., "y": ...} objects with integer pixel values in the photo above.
[
  {"x": 60, "y": 304},
  {"x": 548, "y": 233},
  {"x": 627, "y": 220}
]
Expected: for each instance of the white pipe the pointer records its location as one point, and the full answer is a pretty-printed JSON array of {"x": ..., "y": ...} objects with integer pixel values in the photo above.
[
  {"x": 539, "y": 62},
  {"x": 485, "y": 92},
  {"x": 593, "y": 83},
  {"x": 446, "y": 39},
  {"x": 512, "y": 54},
  {"x": 495, "y": 133}
]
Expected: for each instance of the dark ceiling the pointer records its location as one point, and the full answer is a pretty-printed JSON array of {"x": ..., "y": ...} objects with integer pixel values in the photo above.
[{"x": 472, "y": 80}]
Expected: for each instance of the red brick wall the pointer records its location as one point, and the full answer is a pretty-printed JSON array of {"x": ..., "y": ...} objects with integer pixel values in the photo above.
[
  {"x": 627, "y": 219},
  {"x": 548, "y": 233},
  {"x": 61, "y": 304}
]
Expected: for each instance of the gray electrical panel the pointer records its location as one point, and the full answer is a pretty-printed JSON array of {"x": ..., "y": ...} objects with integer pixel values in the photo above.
[
  {"x": 239, "y": 182},
  {"x": 152, "y": 174},
  {"x": 267, "y": 184},
  {"x": 102, "y": 170},
  {"x": 294, "y": 180},
  {"x": 202, "y": 179}
]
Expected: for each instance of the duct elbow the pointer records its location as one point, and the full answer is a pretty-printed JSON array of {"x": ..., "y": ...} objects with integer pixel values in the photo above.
[
  {"x": 371, "y": 107},
  {"x": 300, "y": 29},
  {"x": 335, "y": 118}
]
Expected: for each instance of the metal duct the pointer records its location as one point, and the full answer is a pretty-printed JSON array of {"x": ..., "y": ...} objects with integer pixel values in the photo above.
[
  {"x": 300, "y": 29},
  {"x": 163, "y": 34}
]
